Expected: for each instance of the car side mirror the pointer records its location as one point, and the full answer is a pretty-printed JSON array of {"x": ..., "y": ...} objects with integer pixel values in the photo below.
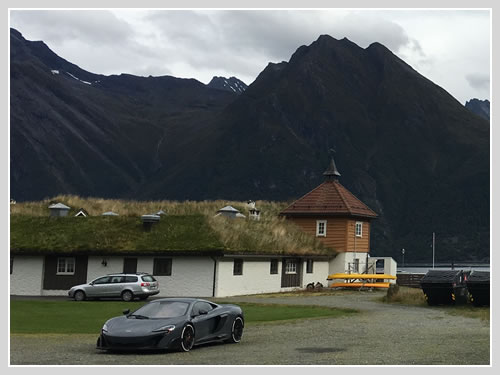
[
  {"x": 126, "y": 312},
  {"x": 91, "y": 284}
]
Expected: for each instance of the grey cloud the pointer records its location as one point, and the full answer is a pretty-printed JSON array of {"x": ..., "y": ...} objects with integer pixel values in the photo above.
[
  {"x": 59, "y": 26},
  {"x": 478, "y": 81}
]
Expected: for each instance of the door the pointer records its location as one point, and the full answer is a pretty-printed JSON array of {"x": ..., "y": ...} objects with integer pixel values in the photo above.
[
  {"x": 99, "y": 287},
  {"x": 291, "y": 273},
  {"x": 203, "y": 320},
  {"x": 129, "y": 265}
]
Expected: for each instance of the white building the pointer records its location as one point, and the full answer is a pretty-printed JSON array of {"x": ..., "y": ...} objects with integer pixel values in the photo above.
[{"x": 216, "y": 275}]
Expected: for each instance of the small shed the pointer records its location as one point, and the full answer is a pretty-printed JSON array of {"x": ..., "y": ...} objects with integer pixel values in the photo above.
[
  {"x": 59, "y": 209},
  {"x": 231, "y": 212}
]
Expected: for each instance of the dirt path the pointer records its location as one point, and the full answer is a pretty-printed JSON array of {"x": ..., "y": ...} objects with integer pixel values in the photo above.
[{"x": 382, "y": 334}]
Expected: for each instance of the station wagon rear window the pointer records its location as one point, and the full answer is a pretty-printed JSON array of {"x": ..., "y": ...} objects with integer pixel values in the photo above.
[{"x": 148, "y": 278}]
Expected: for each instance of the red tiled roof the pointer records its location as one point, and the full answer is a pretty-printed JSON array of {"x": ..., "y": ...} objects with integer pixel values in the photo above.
[{"x": 329, "y": 198}]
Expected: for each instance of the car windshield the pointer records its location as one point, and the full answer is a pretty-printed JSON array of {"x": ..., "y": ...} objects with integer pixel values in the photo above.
[{"x": 162, "y": 310}]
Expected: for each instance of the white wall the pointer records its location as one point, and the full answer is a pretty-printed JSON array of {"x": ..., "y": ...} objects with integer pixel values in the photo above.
[
  {"x": 114, "y": 264},
  {"x": 257, "y": 279},
  {"x": 27, "y": 275},
  {"x": 191, "y": 276},
  {"x": 320, "y": 273}
]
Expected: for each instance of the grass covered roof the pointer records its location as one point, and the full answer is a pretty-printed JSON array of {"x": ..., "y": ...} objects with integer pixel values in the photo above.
[{"x": 187, "y": 227}]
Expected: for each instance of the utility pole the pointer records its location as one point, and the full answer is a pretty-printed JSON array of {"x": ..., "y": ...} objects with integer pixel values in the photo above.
[
  {"x": 403, "y": 252},
  {"x": 433, "y": 247}
]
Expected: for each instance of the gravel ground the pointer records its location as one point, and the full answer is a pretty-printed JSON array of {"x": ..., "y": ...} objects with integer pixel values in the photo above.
[{"x": 382, "y": 334}]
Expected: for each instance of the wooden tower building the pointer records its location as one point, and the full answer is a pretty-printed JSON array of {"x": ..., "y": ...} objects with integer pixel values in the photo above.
[{"x": 337, "y": 218}]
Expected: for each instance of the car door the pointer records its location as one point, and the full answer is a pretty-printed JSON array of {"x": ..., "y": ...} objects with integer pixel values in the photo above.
[
  {"x": 99, "y": 287},
  {"x": 115, "y": 286},
  {"x": 203, "y": 320}
]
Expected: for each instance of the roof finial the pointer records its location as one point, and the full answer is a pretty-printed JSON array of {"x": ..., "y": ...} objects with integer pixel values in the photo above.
[{"x": 331, "y": 173}]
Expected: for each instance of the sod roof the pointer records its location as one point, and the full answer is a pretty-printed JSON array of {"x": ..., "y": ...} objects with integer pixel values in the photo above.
[{"x": 186, "y": 234}]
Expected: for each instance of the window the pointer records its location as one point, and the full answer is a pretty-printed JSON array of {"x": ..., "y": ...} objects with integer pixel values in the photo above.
[
  {"x": 309, "y": 266},
  {"x": 320, "y": 228},
  {"x": 274, "y": 266},
  {"x": 102, "y": 280},
  {"x": 131, "y": 279},
  {"x": 162, "y": 267},
  {"x": 117, "y": 279},
  {"x": 238, "y": 267},
  {"x": 359, "y": 229},
  {"x": 291, "y": 267},
  {"x": 356, "y": 265},
  {"x": 148, "y": 278},
  {"x": 201, "y": 306},
  {"x": 65, "y": 266}
]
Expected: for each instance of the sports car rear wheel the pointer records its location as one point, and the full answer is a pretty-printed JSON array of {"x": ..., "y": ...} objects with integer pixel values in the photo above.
[
  {"x": 236, "y": 330},
  {"x": 187, "y": 338}
]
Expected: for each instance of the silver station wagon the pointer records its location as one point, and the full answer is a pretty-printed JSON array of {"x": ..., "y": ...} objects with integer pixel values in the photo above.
[{"x": 118, "y": 285}]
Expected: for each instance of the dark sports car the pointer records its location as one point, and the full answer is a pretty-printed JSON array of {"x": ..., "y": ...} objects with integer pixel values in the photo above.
[{"x": 172, "y": 323}]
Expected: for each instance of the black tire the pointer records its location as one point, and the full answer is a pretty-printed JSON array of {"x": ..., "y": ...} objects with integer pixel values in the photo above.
[
  {"x": 79, "y": 295},
  {"x": 127, "y": 296},
  {"x": 187, "y": 338},
  {"x": 236, "y": 330}
]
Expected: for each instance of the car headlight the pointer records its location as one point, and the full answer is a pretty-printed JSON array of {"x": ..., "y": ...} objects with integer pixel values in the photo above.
[
  {"x": 104, "y": 328},
  {"x": 166, "y": 329}
]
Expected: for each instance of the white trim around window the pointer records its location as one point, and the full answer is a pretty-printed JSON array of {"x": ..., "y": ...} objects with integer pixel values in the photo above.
[
  {"x": 359, "y": 229},
  {"x": 320, "y": 228},
  {"x": 65, "y": 266},
  {"x": 290, "y": 267}
]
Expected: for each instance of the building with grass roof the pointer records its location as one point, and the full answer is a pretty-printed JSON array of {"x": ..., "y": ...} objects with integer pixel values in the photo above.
[{"x": 187, "y": 254}]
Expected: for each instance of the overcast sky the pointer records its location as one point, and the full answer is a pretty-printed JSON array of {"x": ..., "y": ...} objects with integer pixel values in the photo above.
[{"x": 450, "y": 47}]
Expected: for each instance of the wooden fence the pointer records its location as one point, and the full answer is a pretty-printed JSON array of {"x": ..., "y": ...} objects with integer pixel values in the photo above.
[{"x": 409, "y": 279}]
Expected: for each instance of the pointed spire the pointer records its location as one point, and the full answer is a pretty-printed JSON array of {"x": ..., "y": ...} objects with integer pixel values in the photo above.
[{"x": 332, "y": 172}]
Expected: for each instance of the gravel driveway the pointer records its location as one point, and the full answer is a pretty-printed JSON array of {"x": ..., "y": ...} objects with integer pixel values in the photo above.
[{"x": 382, "y": 334}]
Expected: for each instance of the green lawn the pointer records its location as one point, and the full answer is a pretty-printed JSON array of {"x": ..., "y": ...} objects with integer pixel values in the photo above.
[{"x": 88, "y": 317}]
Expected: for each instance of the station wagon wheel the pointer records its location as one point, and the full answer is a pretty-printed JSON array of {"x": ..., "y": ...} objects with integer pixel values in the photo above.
[
  {"x": 79, "y": 295},
  {"x": 127, "y": 296},
  {"x": 187, "y": 338},
  {"x": 236, "y": 330}
]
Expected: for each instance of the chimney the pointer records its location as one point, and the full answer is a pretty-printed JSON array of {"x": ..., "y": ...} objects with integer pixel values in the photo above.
[{"x": 149, "y": 220}]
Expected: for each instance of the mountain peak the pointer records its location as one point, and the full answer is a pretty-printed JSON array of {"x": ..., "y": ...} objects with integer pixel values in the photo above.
[
  {"x": 479, "y": 107},
  {"x": 231, "y": 84}
]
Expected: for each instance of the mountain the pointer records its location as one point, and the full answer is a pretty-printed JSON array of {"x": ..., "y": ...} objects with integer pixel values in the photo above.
[
  {"x": 77, "y": 132},
  {"x": 229, "y": 84},
  {"x": 403, "y": 145},
  {"x": 479, "y": 107}
]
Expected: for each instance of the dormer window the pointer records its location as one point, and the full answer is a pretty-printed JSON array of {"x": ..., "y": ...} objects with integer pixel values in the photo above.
[
  {"x": 320, "y": 228},
  {"x": 359, "y": 229}
]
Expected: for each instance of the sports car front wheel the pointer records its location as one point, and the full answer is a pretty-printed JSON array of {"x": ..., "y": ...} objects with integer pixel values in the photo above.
[
  {"x": 236, "y": 330},
  {"x": 187, "y": 338}
]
